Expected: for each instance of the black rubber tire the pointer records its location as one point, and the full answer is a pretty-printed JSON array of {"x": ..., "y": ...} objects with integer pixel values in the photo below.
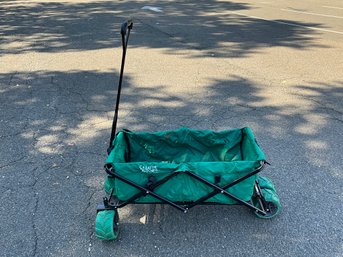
[{"x": 273, "y": 205}]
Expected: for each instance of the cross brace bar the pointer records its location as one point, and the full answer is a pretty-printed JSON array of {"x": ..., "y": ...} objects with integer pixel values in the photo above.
[{"x": 149, "y": 190}]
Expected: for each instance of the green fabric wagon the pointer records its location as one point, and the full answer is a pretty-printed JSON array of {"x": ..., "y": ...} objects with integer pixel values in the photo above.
[
  {"x": 183, "y": 168},
  {"x": 226, "y": 155}
]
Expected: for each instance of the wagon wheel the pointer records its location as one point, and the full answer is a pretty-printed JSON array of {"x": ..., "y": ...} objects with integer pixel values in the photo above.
[
  {"x": 271, "y": 204},
  {"x": 107, "y": 225},
  {"x": 265, "y": 182}
]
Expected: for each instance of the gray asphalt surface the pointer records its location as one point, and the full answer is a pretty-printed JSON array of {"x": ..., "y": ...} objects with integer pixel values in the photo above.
[{"x": 276, "y": 66}]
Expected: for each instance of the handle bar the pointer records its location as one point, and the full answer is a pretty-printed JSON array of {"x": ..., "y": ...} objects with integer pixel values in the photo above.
[
  {"x": 125, "y": 33},
  {"x": 125, "y": 26}
]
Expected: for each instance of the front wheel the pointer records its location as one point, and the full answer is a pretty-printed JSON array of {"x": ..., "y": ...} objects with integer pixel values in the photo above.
[{"x": 107, "y": 225}]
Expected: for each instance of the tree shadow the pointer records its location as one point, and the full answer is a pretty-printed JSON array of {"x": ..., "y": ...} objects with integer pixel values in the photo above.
[
  {"x": 210, "y": 26},
  {"x": 55, "y": 128},
  {"x": 325, "y": 95}
]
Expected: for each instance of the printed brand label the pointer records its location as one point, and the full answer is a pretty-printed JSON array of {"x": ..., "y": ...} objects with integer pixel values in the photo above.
[{"x": 148, "y": 169}]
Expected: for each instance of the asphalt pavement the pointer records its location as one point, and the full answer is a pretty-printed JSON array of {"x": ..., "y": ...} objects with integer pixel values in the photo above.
[{"x": 275, "y": 66}]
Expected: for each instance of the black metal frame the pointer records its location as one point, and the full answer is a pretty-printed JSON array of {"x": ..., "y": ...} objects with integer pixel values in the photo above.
[{"x": 112, "y": 203}]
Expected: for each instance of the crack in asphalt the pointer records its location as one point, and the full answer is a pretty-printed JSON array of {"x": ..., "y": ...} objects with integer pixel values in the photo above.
[
  {"x": 11, "y": 163},
  {"x": 336, "y": 119},
  {"x": 35, "y": 236},
  {"x": 17, "y": 133},
  {"x": 84, "y": 100}
]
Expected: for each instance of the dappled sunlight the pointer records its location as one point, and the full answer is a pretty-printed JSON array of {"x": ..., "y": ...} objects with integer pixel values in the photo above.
[
  {"x": 48, "y": 144},
  {"x": 68, "y": 61},
  {"x": 157, "y": 102},
  {"x": 312, "y": 124},
  {"x": 223, "y": 102},
  {"x": 64, "y": 26},
  {"x": 54, "y": 25},
  {"x": 58, "y": 83},
  {"x": 89, "y": 129},
  {"x": 267, "y": 236},
  {"x": 306, "y": 129},
  {"x": 324, "y": 94},
  {"x": 316, "y": 144}
]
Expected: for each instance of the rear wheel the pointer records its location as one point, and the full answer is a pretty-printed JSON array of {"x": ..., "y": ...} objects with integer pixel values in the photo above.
[
  {"x": 270, "y": 203},
  {"x": 107, "y": 225},
  {"x": 265, "y": 182}
]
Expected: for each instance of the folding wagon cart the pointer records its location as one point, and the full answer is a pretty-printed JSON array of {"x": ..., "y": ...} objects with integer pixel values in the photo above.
[{"x": 183, "y": 168}]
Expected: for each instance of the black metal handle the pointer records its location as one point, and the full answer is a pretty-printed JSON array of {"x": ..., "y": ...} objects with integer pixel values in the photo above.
[
  {"x": 125, "y": 26},
  {"x": 125, "y": 33}
]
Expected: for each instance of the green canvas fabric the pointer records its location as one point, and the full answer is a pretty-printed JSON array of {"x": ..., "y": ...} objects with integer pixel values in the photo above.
[{"x": 229, "y": 154}]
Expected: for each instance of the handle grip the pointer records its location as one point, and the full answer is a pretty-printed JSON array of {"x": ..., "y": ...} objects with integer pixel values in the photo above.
[{"x": 125, "y": 26}]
